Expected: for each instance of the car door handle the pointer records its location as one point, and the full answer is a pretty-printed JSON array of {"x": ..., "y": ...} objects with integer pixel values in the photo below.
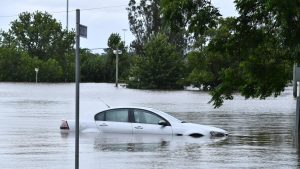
[
  {"x": 103, "y": 124},
  {"x": 138, "y": 127}
]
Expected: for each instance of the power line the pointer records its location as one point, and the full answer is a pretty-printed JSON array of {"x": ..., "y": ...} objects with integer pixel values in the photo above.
[{"x": 86, "y": 9}]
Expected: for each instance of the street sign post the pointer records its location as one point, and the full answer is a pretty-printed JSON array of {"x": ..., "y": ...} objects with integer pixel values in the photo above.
[
  {"x": 297, "y": 93},
  {"x": 81, "y": 31}
]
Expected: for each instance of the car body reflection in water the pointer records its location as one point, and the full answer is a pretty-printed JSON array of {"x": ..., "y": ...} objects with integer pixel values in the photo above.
[{"x": 112, "y": 142}]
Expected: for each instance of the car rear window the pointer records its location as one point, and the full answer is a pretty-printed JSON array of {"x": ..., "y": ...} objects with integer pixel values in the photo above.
[
  {"x": 99, "y": 116},
  {"x": 117, "y": 115}
]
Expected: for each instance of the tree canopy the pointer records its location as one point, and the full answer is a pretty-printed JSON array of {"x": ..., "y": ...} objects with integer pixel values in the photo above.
[
  {"x": 40, "y": 35},
  {"x": 182, "y": 21},
  {"x": 161, "y": 67},
  {"x": 251, "y": 54},
  {"x": 144, "y": 21},
  {"x": 264, "y": 48}
]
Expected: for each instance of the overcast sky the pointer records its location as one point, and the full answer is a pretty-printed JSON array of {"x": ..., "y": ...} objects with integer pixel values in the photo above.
[{"x": 102, "y": 17}]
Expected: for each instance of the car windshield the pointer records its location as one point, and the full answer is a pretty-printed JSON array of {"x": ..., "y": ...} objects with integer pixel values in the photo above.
[{"x": 169, "y": 116}]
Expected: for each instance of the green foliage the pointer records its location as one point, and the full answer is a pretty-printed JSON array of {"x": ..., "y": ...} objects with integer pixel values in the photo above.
[
  {"x": 160, "y": 68},
  {"x": 182, "y": 21},
  {"x": 92, "y": 67},
  {"x": 19, "y": 66},
  {"x": 9, "y": 59},
  {"x": 7, "y": 40},
  {"x": 208, "y": 60},
  {"x": 38, "y": 40},
  {"x": 200, "y": 75},
  {"x": 187, "y": 20},
  {"x": 67, "y": 63},
  {"x": 40, "y": 35},
  {"x": 144, "y": 21},
  {"x": 114, "y": 42},
  {"x": 260, "y": 57},
  {"x": 243, "y": 57},
  {"x": 50, "y": 71},
  {"x": 26, "y": 68}
]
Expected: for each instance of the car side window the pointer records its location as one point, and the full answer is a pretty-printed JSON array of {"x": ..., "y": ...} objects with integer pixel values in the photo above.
[
  {"x": 100, "y": 116},
  {"x": 143, "y": 116},
  {"x": 117, "y": 115}
]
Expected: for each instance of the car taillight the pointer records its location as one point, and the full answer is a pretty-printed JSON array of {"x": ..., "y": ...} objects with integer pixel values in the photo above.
[{"x": 64, "y": 125}]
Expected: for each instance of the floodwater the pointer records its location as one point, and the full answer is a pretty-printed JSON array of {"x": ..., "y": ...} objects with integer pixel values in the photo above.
[{"x": 261, "y": 131}]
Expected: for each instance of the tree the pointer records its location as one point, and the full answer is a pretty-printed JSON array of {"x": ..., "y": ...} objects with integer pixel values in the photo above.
[
  {"x": 185, "y": 21},
  {"x": 161, "y": 67},
  {"x": 92, "y": 66},
  {"x": 19, "y": 66},
  {"x": 40, "y": 35},
  {"x": 207, "y": 62},
  {"x": 7, "y": 40},
  {"x": 9, "y": 61},
  {"x": 49, "y": 71},
  {"x": 263, "y": 50},
  {"x": 144, "y": 21}
]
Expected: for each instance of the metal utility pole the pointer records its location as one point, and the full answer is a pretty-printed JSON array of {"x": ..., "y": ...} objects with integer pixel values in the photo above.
[
  {"x": 77, "y": 79},
  {"x": 297, "y": 127},
  {"x": 67, "y": 15},
  {"x": 117, "y": 68},
  {"x": 81, "y": 31},
  {"x": 294, "y": 81},
  {"x": 124, "y": 30},
  {"x": 117, "y": 53},
  {"x": 65, "y": 60},
  {"x": 36, "y": 74}
]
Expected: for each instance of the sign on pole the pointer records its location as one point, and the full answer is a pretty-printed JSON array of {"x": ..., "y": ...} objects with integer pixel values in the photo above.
[
  {"x": 83, "y": 31},
  {"x": 77, "y": 78}
]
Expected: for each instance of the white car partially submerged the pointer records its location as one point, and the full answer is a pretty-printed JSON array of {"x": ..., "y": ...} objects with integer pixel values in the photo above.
[{"x": 141, "y": 120}]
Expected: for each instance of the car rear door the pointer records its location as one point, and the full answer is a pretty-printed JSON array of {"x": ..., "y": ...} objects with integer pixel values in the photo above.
[
  {"x": 146, "y": 122},
  {"x": 114, "y": 121}
]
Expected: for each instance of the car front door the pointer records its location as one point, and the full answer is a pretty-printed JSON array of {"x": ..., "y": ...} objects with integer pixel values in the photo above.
[
  {"x": 114, "y": 121},
  {"x": 146, "y": 122}
]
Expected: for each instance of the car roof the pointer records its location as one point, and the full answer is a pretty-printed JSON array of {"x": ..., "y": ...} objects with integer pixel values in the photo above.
[{"x": 131, "y": 107}]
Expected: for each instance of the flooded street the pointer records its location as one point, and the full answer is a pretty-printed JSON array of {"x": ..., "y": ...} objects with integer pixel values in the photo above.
[{"x": 261, "y": 131}]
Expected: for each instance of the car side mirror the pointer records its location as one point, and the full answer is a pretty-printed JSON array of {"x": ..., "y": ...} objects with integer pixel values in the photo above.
[{"x": 162, "y": 123}]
